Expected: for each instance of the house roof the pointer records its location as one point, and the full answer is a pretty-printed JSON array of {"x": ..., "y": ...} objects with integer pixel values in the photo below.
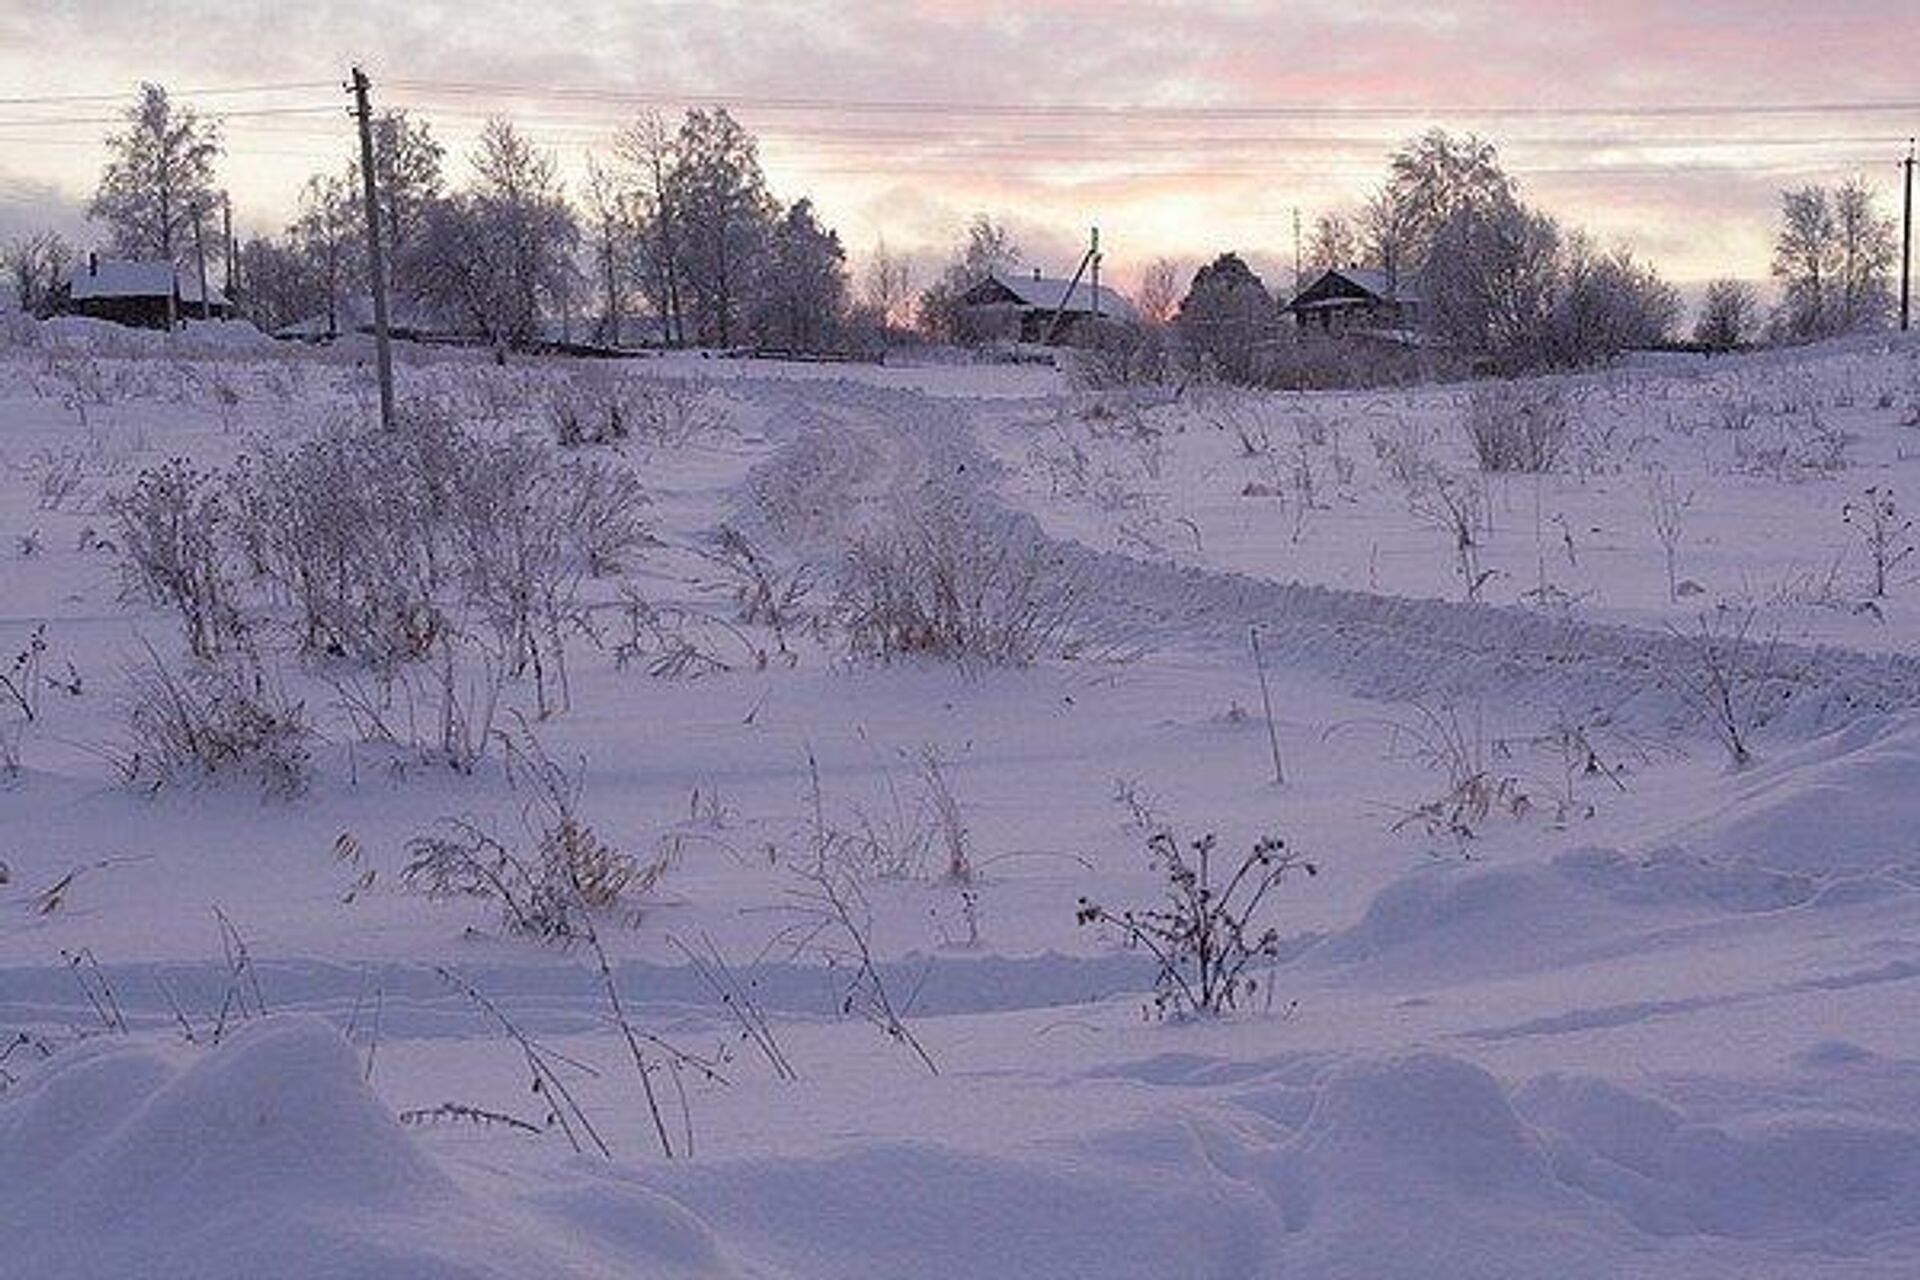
[
  {"x": 1045, "y": 293},
  {"x": 1341, "y": 285},
  {"x": 122, "y": 278}
]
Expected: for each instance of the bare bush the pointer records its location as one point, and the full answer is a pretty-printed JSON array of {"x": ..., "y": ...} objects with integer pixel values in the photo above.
[
  {"x": 1208, "y": 934},
  {"x": 764, "y": 594},
  {"x": 1887, "y": 535},
  {"x": 1456, "y": 506},
  {"x": 671, "y": 411},
  {"x": 543, "y": 882},
  {"x": 347, "y": 527},
  {"x": 957, "y": 583},
  {"x": 1667, "y": 509},
  {"x": 833, "y": 922},
  {"x": 1517, "y": 427},
  {"x": 215, "y": 719},
  {"x": 1477, "y": 785},
  {"x": 588, "y": 410},
  {"x": 1727, "y": 679},
  {"x": 170, "y": 525}
]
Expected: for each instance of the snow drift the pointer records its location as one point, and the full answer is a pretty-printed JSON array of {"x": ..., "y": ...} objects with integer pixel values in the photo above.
[{"x": 266, "y": 1156}]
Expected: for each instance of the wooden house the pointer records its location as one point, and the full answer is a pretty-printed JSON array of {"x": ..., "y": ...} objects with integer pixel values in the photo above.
[
  {"x": 1023, "y": 308},
  {"x": 1356, "y": 300},
  {"x": 145, "y": 295}
]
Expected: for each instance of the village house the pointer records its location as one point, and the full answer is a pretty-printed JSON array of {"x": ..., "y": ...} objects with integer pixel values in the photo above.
[
  {"x": 145, "y": 295},
  {"x": 1025, "y": 308},
  {"x": 1356, "y": 300}
]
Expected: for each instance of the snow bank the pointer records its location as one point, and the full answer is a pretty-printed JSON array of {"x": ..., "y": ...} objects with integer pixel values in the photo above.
[
  {"x": 1409, "y": 1166},
  {"x": 1451, "y": 922},
  {"x": 264, "y": 1157},
  {"x": 1846, "y": 805}
]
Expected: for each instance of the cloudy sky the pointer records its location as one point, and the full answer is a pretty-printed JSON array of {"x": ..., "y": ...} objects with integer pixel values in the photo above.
[{"x": 1181, "y": 129}]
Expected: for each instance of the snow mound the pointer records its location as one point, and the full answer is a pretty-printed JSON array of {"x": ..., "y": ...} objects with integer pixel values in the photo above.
[
  {"x": 1824, "y": 1179},
  {"x": 1418, "y": 1166},
  {"x": 1846, "y": 805},
  {"x": 1425, "y": 1165},
  {"x": 264, "y": 1156},
  {"x": 1454, "y": 921}
]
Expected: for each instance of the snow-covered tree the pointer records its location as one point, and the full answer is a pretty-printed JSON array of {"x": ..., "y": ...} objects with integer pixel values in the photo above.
[
  {"x": 803, "y": 294},
  {"x": 407, "y": 174},
  {"x": 1334, "y": 243},
  {"x": 987, "y": 248},
  {"x": 1833, "y": 255},
  {"x": 36, "y": 263},
  {"x": 648, "y": 152},
  {"x": 1157, "y": 297},
  {"x": 1607, "y": 303},
  {"x": 1491, "y": 281},
  {"x": 614, "y": 234},
  {"x": 1431, "y": 181},
  {"x": 497, "y": 258},
  {"x": 1729, "y": 315},
  {"x": 1227, "y": 315},
  {"x": 279, "y": 285},
  {"x": 887, "y": 286},
  {"x": 159, "y": 177},
  {"x": 724, "y": 216},
  {"x": 327, "y": 239}
]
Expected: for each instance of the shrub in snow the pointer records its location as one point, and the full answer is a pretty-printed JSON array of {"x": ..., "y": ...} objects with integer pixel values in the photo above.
[
  {"x": 1477, "y": 788},
  {"x": 1667, "y": 510},
  {"x": 1457, "y": 506},
  {"x": 544, "y": 884},
  {"x": 347, "y": 527},
  {"x": 1517, "y": 427},
  {"x": 1888, "y": 535},
  {"x": 1207, "y": 935},
  {"x": 670, "y": 411},
  {"x": 215, "y": 719},
  {"x": 586, "y": 410},
  {"x": 170, "y": 523},
  {"x": 954, "y": 582},
  {"x": 763, "y": 593},
  {"x": 384, "y": 543},
  {"x": 1727, "y": 678}
]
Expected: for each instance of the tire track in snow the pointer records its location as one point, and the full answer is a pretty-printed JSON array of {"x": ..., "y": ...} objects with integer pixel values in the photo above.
[{"x": 857, "y": 449}]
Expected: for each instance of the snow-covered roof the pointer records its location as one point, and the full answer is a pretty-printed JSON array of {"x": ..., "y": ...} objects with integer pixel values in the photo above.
[
  {"x": 122, "y": 278},
  {"x": 1370, "y": 279},
  {"x": 1045, "y": 293}
]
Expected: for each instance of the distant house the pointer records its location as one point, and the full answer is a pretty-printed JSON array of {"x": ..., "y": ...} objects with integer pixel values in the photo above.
[
  {"x": 1023, "y": 307},
  {"x": 145, "y": 295},
  {"x": 1356, "y": 299}
]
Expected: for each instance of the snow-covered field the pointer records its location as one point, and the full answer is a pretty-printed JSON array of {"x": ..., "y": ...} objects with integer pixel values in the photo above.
[{"x": 1567, "y": 996}]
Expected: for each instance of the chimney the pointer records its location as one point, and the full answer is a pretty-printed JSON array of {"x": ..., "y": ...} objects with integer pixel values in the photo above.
[{"x": 93, "y": 263}]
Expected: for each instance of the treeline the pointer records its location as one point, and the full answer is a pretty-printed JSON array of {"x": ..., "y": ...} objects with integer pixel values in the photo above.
[{"x": 675, "y": 237}]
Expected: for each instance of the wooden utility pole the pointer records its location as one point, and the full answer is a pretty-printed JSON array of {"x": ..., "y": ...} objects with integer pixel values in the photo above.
[
  {"x": 376, "y": 260},
  {"x": 226, "y": 231},
  {"x": 1296, "y": 249},
  {"x": 200, "y": 259},
  {"x": 1906, "y": 240},
  {"x": 1095, "y": 252}
]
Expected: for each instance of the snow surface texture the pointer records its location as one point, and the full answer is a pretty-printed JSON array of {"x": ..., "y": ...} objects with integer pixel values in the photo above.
[{"x": 1655, "y": 1022}]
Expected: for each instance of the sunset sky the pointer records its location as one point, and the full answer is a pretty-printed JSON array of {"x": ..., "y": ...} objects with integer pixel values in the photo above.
[{"x": 1181, "y": 129}]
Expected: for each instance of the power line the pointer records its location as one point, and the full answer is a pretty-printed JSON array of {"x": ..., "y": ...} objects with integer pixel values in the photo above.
[
  {"x": 1169, "y": 111},
  {"x": 62, "y": 122},
  {"x": 53, "y": 99}
]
